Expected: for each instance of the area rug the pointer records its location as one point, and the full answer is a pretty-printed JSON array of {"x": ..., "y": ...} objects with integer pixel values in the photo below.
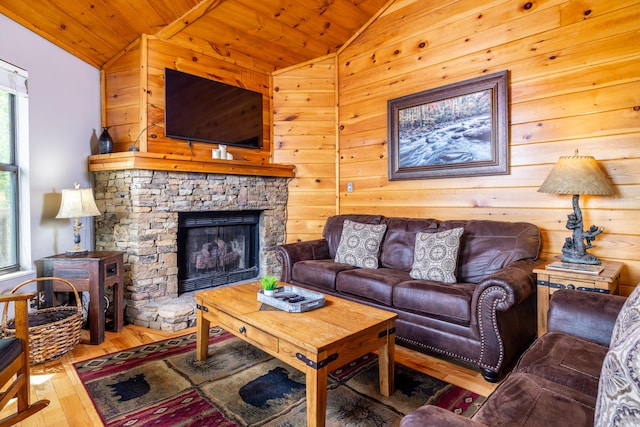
[{"x": 162, "y": 384}]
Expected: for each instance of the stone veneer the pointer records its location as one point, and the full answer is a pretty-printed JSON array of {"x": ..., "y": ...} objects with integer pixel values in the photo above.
[{"x": 140, "y": 217}]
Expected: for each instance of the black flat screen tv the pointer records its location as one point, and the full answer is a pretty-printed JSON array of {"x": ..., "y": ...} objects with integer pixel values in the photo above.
[{"x": 199, "y": 109}]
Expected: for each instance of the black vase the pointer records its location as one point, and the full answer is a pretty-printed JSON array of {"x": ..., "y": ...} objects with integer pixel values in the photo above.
[{"x": 105, "y": 143}]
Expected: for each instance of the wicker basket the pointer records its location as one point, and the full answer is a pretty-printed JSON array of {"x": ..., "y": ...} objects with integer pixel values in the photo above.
[{"x": 52, "y": 331}]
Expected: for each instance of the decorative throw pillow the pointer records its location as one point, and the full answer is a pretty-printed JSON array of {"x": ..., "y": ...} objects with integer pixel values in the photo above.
[
  {"x": 436, "y": 256},
  {"x": 628, "y": 317},
  {"x": 618, "y": 401},
  {"x": 360, "y": 243}
]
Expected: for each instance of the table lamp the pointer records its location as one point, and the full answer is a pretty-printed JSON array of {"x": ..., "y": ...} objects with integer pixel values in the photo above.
[
  {"x": 578, "y": 175},
  {"x": 77, "y": 202}
]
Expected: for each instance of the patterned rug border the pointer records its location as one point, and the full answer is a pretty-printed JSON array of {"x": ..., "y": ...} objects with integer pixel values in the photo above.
[
  {"x": 450, "y": 397},
  {"x": 146, "y": 353}
]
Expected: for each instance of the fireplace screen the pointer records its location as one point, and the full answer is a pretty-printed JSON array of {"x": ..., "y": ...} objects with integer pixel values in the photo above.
[{"x": 216, "y": 248}]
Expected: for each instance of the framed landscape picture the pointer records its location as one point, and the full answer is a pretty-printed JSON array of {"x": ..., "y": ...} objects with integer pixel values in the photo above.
[{"x": 458, "y": 130}]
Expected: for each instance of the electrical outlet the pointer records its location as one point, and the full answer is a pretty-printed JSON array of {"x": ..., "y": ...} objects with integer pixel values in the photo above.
[{"x": 349, "y": 187}]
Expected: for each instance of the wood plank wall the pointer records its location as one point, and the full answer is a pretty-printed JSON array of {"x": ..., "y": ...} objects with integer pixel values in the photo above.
[
  {"x": 122, "y": 92},
  {"x": 304, "y": 134},
  {"x": 134, "y": 91},
  {"x": 574, "y": 83}
]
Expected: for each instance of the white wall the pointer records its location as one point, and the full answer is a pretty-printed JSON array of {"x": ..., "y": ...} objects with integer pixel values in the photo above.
[{"x": 64, "y": 123}]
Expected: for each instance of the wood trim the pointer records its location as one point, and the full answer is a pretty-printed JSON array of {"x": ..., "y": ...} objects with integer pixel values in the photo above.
[
  {"x": 365, "y": 27},
  {"x": 169, "y": 162},
  {"x": 336, "y": 78},
  {"x": 103, "y": 98},
  {"x": 144, "y": 93},
  {"x": 120, "y": 54}
]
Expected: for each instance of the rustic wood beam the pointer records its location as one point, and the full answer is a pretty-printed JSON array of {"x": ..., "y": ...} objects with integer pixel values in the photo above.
[{"x": 188, "y": 18}]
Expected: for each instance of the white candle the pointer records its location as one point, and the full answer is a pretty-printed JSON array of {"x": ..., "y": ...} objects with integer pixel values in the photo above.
[
  {"x": 215, "y": 154},
  {"x": 229, "y": 156},
  {"x": 223, "y": 151}
]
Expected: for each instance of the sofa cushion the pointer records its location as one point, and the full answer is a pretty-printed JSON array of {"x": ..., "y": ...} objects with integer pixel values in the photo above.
[
  {"x": 400, "y": 241},
  {"x": 435, "y": 299},
  {"x": 360, "y": 244},
  {"x": 319, "y": 273},
  {"x": 489, "y": 246},
  {"x": 376, "y": 285},
  {"x": 527, "y": 400},
  {"x": 332, "y": 231},
  {"x": 436, "y": 256},
  {"x": 566, "y": 360},
  {"x": 619, "y": 387}
]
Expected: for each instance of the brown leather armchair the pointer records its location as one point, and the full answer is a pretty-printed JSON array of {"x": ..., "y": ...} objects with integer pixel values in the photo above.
[{"x": 14, "y": 363}]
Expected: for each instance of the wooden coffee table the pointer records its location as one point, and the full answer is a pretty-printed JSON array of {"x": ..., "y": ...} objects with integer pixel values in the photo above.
[{"x": 314, "y": 342}]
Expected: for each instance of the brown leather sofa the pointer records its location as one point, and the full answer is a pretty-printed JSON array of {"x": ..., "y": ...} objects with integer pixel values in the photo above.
[
  {"x": 556, "y": 382},
  {"x": 487, "y": 318}
]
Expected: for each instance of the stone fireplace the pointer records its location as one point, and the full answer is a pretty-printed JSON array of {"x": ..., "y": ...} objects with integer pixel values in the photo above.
[{"x": 141, "y": 213}]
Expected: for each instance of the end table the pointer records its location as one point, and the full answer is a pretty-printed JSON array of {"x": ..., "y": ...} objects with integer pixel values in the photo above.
[
  {"x": 92, "y": 273},
  {"x": 550, "y": 281}
]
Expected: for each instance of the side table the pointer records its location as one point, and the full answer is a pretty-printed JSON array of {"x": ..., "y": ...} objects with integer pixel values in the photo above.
[
  {"x": 91, "y": 273},
  {"x": 549, "y": 281}
]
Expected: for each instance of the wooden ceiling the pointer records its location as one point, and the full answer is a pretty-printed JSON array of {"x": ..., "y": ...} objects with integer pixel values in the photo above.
[{"x": 265, "y": 34}]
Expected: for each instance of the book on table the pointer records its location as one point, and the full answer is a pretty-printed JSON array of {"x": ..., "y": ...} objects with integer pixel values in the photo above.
[{"x": 576, "y": 268}]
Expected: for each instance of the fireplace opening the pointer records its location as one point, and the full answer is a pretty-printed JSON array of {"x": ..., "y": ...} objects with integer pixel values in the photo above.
[{"x": 217, "y": 248}]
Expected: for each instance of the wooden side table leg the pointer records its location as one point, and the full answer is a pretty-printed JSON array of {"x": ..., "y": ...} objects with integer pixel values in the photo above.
[
  {"x": 316, "y": 380},
  {"x": 96, "y": 305},
  {"x": 118, "y": 306},
  {"x": 543, "y": 308}
]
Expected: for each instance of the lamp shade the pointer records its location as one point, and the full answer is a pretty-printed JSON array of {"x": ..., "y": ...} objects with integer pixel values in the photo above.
[
  {"x": 77, "y": 202},
  {"x": 577, "y": 175}
]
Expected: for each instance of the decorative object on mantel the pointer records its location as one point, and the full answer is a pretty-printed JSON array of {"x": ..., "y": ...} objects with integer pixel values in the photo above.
[
  {"x": 217, "y": 153},
  {"x": 105, "y": 142},
  {"x": 134, "y": 146},
  {"x": 77, "y": 202},
  {"x": 578, "y": 175}
]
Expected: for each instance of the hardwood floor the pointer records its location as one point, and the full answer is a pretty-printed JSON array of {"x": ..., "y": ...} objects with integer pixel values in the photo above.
[{"x": 70, "y": 405}]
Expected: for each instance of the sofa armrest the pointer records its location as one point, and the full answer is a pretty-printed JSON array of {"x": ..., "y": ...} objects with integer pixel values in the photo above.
[
  {"x": 291, "y": 253},
  {"x": 434, "y": 416},
  {"x": 504, "y": 314},
  {"x": 587, "y": 315},
  {"x": 516, "y": 282}
]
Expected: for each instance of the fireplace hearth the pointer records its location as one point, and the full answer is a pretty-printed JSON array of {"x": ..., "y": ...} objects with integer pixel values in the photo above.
[{"x": 216, "y": 248}]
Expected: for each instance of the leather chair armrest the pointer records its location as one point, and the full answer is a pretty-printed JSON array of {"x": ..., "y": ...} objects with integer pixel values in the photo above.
[
  {"x": 291, "y": 253},
  {"x": 434, "y": 416},
  {"x": 587, "y": 315}
]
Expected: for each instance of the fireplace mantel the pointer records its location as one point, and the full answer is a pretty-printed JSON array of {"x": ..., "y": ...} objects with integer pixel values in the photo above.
[{"x": 177, "y": 163}]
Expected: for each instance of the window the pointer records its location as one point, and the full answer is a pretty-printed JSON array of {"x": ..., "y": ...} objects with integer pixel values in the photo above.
[{"x": 13, "y": 112}]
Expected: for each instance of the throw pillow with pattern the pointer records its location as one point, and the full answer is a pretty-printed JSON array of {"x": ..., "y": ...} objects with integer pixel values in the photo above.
[
  {"x": 360, "y": 244},
  {"x": 618, "y": 401},
  {"x": 436, "y": 256}
]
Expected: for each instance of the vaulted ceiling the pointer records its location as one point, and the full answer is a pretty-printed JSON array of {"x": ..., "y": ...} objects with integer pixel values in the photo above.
[{"x": 270, "y": 34}]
